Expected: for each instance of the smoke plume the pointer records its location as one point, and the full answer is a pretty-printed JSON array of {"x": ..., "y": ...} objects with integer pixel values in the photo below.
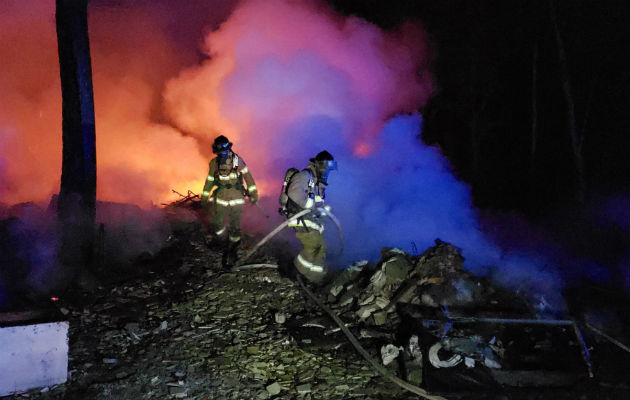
[{"x": 283, "y": 80}]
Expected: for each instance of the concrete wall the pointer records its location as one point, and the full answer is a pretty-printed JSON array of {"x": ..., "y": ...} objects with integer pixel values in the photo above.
[{"x": 33, "y": 356}]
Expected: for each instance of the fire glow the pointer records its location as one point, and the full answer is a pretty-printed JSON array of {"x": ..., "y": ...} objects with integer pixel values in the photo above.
[
  {"x": 271, "y": 67},
  {"x": 282, "y": 79}
]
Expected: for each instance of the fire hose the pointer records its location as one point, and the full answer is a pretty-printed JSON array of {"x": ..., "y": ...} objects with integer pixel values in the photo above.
[
  {"x": 353, "y": 340},
  {"x": 334, "y": 219},
  {"x": 240, "y": 261}
]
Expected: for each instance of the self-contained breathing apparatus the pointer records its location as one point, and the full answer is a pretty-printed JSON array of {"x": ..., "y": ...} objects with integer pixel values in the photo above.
[
  {"x": 287, "y": 206},
  {"x": 323, "y": 163},
  {"x": 234, "y": 170}
]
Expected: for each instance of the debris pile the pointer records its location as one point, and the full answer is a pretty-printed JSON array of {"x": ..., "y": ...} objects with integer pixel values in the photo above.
[
  {"x": 183, "y": 328},
  {"x": 179, "y": 326},
  {"x": 445, "y": 325}
]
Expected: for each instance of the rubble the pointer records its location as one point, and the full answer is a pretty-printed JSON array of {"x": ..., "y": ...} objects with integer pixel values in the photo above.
[
  {"x": 184, "y": 328},
  {"x": 425, "y": 300},
  {"x": 202, "y": 333}
]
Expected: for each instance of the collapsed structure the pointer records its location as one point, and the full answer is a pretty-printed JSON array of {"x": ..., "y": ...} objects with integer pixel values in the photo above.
[
  {"x": 438, "y": 325},
  {"x": 435, "y": 324}
]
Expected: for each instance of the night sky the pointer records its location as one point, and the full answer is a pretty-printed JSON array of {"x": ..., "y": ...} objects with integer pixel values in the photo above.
[{"x": 484, "y": 57}]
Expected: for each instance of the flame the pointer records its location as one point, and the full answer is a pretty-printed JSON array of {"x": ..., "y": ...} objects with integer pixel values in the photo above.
[{"x": 281, "y": 79}]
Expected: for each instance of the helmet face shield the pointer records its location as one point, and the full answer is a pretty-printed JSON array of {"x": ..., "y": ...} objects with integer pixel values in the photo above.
[
  {"x": 218, "y": 148},
  {"x": 331, "y": 165},
  {"x": 324, "y": 167},
  {"x": 221, "y": 146},
  {"x": 324, "y": 163}
]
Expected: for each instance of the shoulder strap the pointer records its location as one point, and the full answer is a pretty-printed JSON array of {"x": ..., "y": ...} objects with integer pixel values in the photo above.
[
  {"x": 216, "y": 171},
  {"x": 311, "y": 180}
]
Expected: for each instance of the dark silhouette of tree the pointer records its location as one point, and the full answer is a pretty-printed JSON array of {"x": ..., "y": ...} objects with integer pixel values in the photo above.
[
  {"x": 577, "y": 138},
  {"x": 77, "y": 196}
]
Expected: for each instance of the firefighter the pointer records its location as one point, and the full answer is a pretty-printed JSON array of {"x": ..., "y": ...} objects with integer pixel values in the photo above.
[
  {"x": 306, "y": 190},
  {"x": 224, "y": 195}
]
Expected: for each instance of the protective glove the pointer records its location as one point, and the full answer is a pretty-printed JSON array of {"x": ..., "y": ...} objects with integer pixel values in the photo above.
[
  {"x": 204, "y": 202},
  {"x": 253, "y": 197}
]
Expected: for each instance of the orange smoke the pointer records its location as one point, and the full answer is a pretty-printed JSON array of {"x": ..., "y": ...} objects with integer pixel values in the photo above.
[
  {"x": 139, "y": 157},
  {"x": 271, "y": 68}
]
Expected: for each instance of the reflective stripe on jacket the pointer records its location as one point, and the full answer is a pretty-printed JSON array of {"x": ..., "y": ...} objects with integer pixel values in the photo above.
[
  {"x": 224, "y": 182},
  {"x": 307, "y": 223}
]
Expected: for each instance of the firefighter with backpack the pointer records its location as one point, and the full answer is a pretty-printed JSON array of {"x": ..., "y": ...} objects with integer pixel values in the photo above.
[
  {"x": 224, "y": 195},
  {"x": 306, "y": 190}
]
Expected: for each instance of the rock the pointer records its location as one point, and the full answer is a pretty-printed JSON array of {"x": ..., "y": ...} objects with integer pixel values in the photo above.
[
  {"x": 366, "y": 311},
  {"x": 274, "y": 388},
  {"x": 301, "y": 389},
  {"x": 280, "y": 318},
  {"x": 389, "y": 353},
  {"x": 380, "y": 318}
]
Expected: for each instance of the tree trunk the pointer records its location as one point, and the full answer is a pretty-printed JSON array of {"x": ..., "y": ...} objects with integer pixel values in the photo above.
[
  {"x": 576, "y": 138},
  {"x": 534, "y": 134},
  {"x": 77, "y": 196}
]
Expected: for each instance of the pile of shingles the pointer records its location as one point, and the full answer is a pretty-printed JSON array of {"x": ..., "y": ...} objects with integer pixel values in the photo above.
[
  {"x": 229, "y": 335},
  {"x": 409, "y": 312},
  {"x": 194, "y": 331}
]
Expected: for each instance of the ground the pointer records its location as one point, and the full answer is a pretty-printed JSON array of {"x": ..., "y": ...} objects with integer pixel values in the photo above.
[{"x": 180, "y": 326}]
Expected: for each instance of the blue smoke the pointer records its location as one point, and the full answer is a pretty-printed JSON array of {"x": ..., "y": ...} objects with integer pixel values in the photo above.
[{"x": 405, "y": 195}]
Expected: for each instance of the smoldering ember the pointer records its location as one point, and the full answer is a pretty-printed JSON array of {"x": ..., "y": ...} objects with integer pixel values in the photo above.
[{"x": 322, "y": 199}]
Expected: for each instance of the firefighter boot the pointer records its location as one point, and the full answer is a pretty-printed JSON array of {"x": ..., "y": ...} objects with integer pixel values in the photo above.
[
  {"x": 215, "y": 242},
  {"x": 230, "y": 255},
  {"x": 286, "y": 269}
]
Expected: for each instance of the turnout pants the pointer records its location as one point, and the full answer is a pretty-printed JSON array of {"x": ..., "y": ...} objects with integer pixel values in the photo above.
[
  {"x": 310, "y": 261},
  {"x": 233, "y": 228}
]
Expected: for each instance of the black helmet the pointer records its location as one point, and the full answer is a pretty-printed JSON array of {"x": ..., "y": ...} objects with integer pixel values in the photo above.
[
  {"x": 221, "y": 144},
  {"x": 325, "y": 161}
]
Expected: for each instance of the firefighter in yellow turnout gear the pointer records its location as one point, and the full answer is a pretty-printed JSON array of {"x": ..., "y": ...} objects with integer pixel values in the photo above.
[
  {"x": 224, "y": 194},
  {"x": 306, "y": 190}
]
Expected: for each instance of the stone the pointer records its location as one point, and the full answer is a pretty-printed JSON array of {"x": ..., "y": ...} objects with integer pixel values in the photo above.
[
  {"x": 380, "y": 318},
  {"x": 306, "y": 388},
  {"x": 280, "y": 318},
  {"x": 389, "y": 353},
  {"x": 366, "y": 311},
  {"x": 274, "y": 388},
  {"x": 178, "y": 391}
]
